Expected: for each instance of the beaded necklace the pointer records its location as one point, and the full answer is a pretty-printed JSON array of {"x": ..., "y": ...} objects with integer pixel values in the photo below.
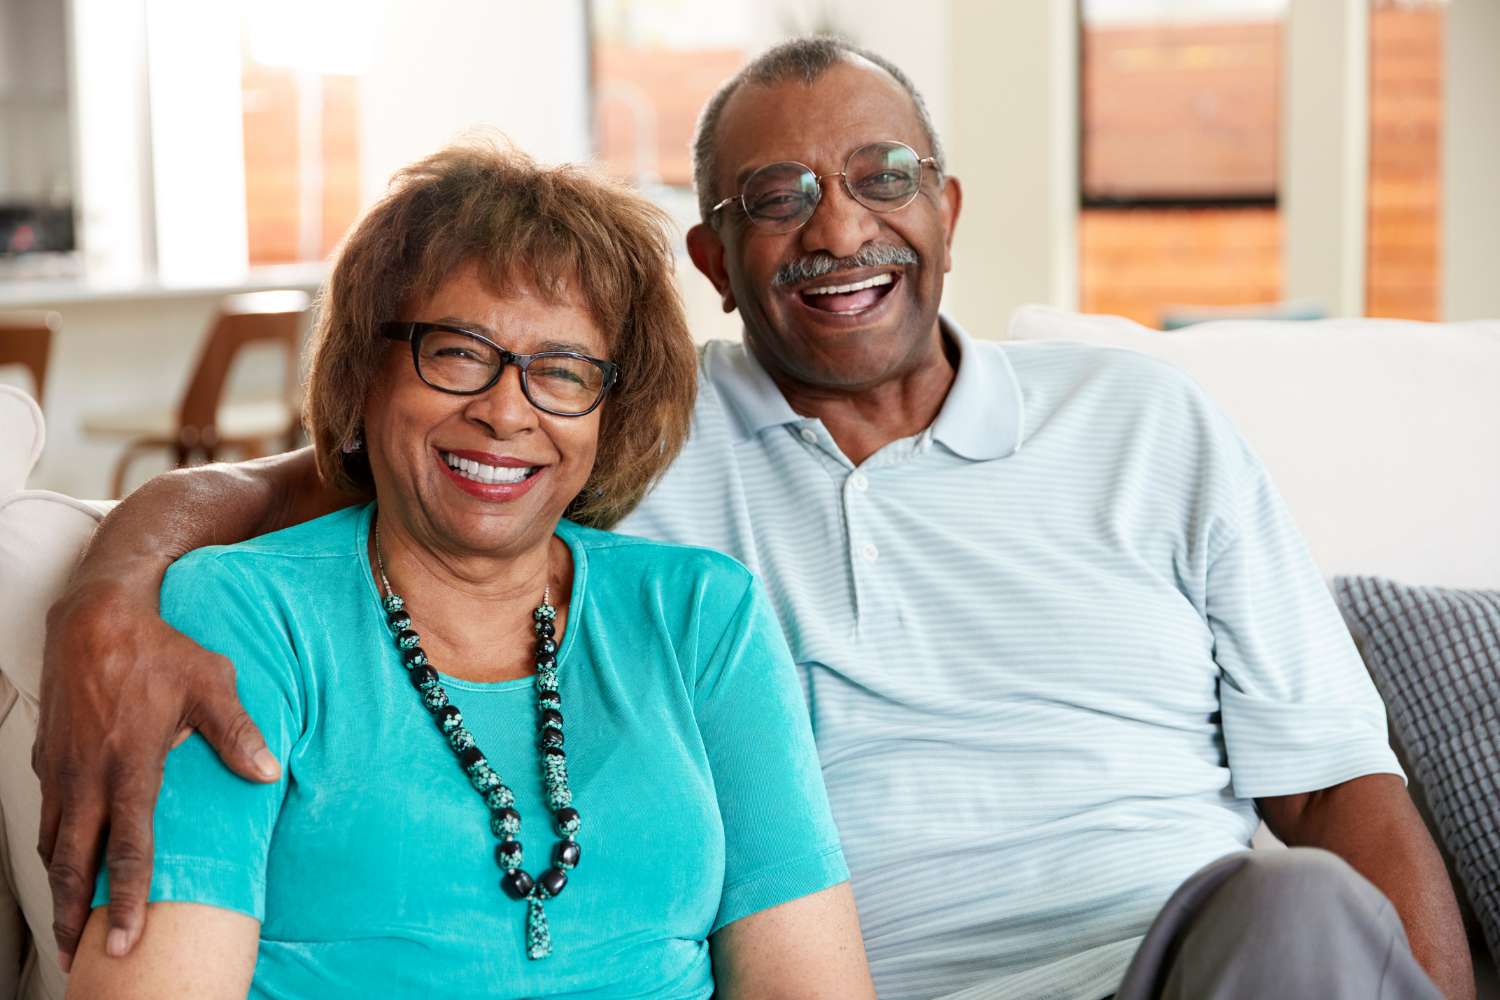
[{"x": 505, "y": 822}]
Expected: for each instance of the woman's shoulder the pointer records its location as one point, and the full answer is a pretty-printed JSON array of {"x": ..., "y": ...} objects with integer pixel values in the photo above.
[
  {"x": 292, "y": 550},
  {"x": 666, "y": 564}
]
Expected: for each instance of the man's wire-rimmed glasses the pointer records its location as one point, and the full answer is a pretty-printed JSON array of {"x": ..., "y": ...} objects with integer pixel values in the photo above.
[
  {"x": 781, "y": 197},
  {"x": 452, "y": 359}
]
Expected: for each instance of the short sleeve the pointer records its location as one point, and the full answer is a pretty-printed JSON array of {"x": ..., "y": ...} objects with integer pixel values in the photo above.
[
  {"x": 212, "y": 827},
  {"x": 779, "y": 839},
  {"x": 1300, "y": 712}
]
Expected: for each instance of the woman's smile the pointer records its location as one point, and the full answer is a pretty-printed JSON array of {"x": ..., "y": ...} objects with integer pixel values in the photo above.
[{"x": 489, "y": 477}]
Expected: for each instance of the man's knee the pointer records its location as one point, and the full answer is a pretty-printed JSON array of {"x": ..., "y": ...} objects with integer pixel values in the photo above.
[
  {"x": 1306, "y": 881},
  {"x": 1299, "y": 922}
]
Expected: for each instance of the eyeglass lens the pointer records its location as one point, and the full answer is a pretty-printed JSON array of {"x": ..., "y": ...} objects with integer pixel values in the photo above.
[
  {"x": 461, "y": 363},
  {"x": 882, "y": 176}
]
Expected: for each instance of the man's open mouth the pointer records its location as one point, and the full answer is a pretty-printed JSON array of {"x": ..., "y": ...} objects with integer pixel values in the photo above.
[
  {"x": 489, "y": 475},
  {"x": 848, "y": 297}
]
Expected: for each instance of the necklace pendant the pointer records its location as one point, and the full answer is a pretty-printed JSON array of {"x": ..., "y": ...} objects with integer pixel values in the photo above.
[
  {"x": 538, "y": 937},
  {"x": 505, "y": 821}
]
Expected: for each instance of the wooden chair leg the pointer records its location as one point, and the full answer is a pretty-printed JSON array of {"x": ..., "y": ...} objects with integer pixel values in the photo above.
[
  {"x": 132, "y": 451},
  {"x": 117, "y": 482}
]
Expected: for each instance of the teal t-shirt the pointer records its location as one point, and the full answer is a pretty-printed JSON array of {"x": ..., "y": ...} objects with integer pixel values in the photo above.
[{"x": 371, "y": 865}]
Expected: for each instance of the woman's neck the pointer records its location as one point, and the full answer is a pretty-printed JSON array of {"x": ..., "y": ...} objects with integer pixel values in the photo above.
[{"x": 474, "y": 612}]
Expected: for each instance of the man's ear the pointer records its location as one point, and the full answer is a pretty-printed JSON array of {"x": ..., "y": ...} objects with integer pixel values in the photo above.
[
  {"x": 707, "y": 251},
  {"x": 949, "y": 205}
]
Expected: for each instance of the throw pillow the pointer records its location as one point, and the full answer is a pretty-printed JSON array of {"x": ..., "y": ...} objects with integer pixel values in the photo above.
[{"x": 1435, "y": 657}]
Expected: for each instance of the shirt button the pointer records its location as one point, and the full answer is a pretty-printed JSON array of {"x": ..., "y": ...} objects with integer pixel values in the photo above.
[
  {"x": 869, "y": 552},
  {"x": 859, "y": 482},
  {"x": 809, "y": 435}
]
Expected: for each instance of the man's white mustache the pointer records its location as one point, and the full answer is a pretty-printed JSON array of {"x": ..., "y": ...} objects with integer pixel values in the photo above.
[{"x": 820, "y": 264}]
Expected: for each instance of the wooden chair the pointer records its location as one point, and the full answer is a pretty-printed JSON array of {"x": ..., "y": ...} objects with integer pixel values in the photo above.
[
  {"x": 205, "y": 424},
  {"x": 26, "y": 339}
]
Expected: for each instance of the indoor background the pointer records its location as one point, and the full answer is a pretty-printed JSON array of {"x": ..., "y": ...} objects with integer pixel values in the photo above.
[{"x": 1164, "y": 160}]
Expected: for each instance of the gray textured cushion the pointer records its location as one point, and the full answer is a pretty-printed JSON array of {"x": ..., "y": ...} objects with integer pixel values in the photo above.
[{"x": 1435, "y": 656}]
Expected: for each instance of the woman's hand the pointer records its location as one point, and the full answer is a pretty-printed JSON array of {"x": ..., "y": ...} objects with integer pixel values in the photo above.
[
  {"x": 188, "y": 950},
  {"x": 806, "y": 949}
]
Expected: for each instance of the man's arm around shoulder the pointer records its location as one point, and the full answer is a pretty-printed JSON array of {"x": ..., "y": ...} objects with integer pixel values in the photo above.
[{"x": 120, "y": 687}]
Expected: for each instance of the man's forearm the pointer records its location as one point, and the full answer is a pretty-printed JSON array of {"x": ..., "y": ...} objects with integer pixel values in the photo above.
[
  {"x": 119, "y": 684},
  {"x": 208, "y": 505},
  {"x": 1371, "y": 823}
]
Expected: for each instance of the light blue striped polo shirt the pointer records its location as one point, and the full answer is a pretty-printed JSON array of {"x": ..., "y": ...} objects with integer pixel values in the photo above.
[{"x": 1052, "y": 646}]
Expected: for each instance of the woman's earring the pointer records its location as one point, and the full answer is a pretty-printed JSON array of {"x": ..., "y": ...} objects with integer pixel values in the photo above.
[{"x": 354, "y": 446}]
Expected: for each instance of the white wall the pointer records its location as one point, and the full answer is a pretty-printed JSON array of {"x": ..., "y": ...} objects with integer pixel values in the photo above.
[
  {"x": 1325, "y": 151},
  {"x": 1471, "y": 162},
  {"x": 158, "y": 141},
  {"x": 1013, "y": 108},
  {"x": 112, "y": 187},
  {"x": 197, "y": 141},
  {"x": 446, "y": 65}
]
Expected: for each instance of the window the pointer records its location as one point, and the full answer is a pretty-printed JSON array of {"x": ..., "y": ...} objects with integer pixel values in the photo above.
[
  {"x": 300, "y": 88},
  {"x": 1406, "y": 113},
  {"x": 1180, "y": 137},
  {"x": 655, "y": 63}
]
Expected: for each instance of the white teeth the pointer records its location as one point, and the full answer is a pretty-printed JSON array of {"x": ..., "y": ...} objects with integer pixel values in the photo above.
[
  {"x": 875, "y": 282},
  {"x": 489, "y": 475}
]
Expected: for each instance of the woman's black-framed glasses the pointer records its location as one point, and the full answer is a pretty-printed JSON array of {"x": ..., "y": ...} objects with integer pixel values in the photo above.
[
  {"x": 451, "y": 359},
  {"x": 781, "y": 197}
]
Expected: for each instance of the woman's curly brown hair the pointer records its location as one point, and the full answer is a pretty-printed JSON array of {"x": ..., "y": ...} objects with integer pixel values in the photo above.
[{"x": 559, "y": 228}]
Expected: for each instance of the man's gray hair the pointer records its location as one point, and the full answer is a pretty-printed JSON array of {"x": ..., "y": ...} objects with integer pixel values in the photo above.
[{"x": 809, "y": 58}]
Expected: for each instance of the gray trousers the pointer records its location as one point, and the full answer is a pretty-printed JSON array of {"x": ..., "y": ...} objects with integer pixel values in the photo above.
[{"x": 1277, "y": 924}]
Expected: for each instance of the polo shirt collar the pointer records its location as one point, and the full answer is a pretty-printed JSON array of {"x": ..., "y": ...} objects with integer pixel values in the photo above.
[
  {"x": 984, "y": 414},
  {"x": 981, "y": 419}
]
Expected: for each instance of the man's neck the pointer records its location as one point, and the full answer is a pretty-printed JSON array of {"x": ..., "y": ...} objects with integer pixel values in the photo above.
[{"x": 864, "y": 420}]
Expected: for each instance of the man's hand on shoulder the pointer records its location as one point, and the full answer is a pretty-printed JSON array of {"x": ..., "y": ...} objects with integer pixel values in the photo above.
[{"x": 121, "y": 687}]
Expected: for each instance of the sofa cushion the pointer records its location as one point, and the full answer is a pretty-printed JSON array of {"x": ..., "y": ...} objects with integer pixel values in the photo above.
[
  {"x": 1383, "y": 436},
  {"x": 1435, "y": 656},
  {"x": 42, "y": 535},
  {"x": 22, "y": 434}
]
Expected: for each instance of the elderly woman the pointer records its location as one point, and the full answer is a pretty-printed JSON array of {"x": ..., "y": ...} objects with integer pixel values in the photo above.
[{"x": 523, "y": 757}]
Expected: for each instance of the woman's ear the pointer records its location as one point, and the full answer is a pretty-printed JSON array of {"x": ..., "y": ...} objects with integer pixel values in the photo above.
[{"x": 707, "y": 251}]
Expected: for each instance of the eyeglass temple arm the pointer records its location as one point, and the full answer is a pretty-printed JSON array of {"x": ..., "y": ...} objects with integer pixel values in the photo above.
[{"x": 398, "y": 331}]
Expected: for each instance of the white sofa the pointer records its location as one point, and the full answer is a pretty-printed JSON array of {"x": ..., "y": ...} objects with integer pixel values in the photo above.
[
  {"x": 41, "y": 537},
  {"x": 1383, "y": 436}
]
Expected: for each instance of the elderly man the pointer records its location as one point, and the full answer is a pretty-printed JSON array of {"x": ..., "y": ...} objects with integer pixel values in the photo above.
[{"x": 1061, "y": 643}]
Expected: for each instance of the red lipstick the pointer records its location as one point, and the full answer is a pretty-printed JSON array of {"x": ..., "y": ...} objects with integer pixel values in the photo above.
[{"x": 497, "y": 492}]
